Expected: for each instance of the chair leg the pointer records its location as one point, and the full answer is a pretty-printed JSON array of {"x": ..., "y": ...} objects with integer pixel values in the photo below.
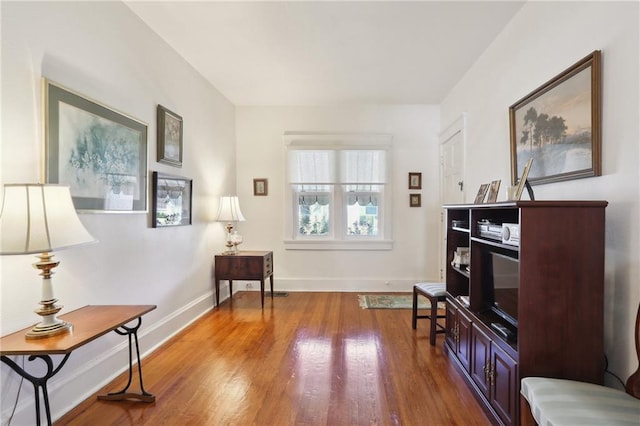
[
  {"x": 415, "y": 309},
  {"x": 434, "y": 319}
]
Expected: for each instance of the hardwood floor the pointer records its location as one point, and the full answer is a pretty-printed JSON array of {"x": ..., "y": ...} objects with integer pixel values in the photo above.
[{"x": 306, "y": 359}]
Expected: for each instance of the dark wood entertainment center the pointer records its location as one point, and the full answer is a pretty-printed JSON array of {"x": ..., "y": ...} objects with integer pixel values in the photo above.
[{"x": 560, "y": 296}]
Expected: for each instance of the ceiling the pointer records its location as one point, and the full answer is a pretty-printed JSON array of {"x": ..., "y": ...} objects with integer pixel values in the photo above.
[{"x": 329, "y": 52}]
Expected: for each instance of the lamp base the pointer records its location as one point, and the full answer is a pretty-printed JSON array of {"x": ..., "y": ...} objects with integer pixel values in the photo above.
[
  {"x": 42, "y": 330},
  {"x": 50, "y": 325}
]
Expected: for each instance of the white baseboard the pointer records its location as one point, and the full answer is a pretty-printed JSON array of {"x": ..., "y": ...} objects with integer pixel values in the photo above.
[{"x": 341, "y": 285}]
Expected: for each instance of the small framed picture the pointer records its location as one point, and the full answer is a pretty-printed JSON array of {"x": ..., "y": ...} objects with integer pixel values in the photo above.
[
  {"x": 482, "y": 191},
  {"x": 523, "y": 180},
  {"x": 415, "y": 200},
  {"x": 169, "y": 137},
  {"x": 260, "y": 187},
  {"x": 493, "y": 191},
  {"x": 171, "y": 200},
  {"x": 415, "y": 180}
]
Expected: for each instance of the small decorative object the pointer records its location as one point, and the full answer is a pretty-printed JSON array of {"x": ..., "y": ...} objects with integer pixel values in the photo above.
[
  {"x": 38, "y": 218},
  {"x": 236, "y": 239},
  {"x": 415, "y": 180},
  {"x": 493, "y": 191},
  {"x": 260, "y": 187},
  {"x": 415, "y": 200},
  {"x": 229, "y": 211},
  {"x": 169, "y": 137},
  {"x": 171, "y": 200},
  {"x": 461, "y": 257},
  {"x": 523, "y": 182},
  {"x": 482, "y": 191},
  {"x": 99, "y": 153},
  {"x": 559, "y": 123}
]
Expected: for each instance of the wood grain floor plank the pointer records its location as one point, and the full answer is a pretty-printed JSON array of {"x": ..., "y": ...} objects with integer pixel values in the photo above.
[{"x": 306, "y": 359}]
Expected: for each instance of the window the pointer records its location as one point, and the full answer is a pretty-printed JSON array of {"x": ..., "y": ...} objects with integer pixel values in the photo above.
[{"x": 337, "y": 187}]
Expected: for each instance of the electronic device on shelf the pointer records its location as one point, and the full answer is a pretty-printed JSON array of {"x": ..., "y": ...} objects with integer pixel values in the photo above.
[
  {"x": 503, "y": 331},
  {"x": 511, "y": 234},
  {"x": 490, "y": 230}
]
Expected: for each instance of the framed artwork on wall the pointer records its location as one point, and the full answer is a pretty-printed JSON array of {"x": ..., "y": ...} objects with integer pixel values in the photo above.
[
  {"x": 169, "y": 137},
  {"x": 260, "y": 187},
  {"x": 171, "y": 200},
  {"x": 415, "y": 180},
  {"x": 99, "y": 152},
  {"x": 559, "y": 126}
]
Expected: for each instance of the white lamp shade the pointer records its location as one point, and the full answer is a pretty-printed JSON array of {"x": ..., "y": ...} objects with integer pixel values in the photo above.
[
  {"x": 229, "y": 210},
  {"x": 37, "y": 218}
]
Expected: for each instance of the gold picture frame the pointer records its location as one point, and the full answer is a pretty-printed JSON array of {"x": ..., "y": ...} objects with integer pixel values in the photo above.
[{"x": 560, "y": 119}]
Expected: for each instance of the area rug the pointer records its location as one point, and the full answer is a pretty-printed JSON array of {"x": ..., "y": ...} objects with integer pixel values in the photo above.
[{"x": 392, "y": 301}]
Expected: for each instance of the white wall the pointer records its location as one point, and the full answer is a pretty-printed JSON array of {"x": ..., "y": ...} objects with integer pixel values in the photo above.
[
  {"x": 260, "y": 154},
  {"x": 102, "y": 50},
  {"x": 542, "y": 40}
]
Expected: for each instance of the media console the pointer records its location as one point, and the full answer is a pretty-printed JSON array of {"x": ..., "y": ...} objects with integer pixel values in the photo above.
[{"x": 529, "y": 308}]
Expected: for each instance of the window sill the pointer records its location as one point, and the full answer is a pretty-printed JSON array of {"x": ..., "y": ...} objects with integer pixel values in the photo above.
[{"x": 338, "y": 245}]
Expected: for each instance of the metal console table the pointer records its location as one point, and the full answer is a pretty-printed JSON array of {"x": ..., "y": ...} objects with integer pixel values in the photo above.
[{"x": 89, "y": 323}]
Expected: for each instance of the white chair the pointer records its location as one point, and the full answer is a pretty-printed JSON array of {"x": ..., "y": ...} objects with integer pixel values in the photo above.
[{"x": 555, "y": 402}]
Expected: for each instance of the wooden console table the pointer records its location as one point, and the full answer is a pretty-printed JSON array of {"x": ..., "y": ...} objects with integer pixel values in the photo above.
[
  {"x": 245, "y": 265},
  {"x": 88, "y": 323}
]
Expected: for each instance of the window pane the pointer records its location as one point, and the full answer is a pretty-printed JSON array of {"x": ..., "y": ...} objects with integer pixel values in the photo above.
[
  {"x": 362, "y": 219},
  {"x": 313, "y": 219}
]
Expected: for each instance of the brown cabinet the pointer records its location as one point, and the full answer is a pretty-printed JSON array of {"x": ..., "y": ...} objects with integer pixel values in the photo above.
[
  {"x": 546, "y": 318},
  {"x": 245, "y": 265}
]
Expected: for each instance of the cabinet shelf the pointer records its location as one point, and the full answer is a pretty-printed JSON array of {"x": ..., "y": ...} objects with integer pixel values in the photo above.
[{"x": 461, "y": 271}]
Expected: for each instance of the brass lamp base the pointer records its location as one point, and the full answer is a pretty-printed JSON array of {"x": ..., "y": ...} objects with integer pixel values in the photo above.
[
  {"x": 40, "y": 331},
  {"x": 50, "y": 325}
]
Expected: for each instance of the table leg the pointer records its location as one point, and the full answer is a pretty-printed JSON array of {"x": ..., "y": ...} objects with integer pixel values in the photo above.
[
  {"x": 271, "y": 282},
  {"x": 38, "y": 382},
  {"x": 143, "y": 396},
  {"x": 217, "y": 292}
]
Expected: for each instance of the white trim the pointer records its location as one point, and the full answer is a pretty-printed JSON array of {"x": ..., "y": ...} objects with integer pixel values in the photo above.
[{"x": 327, "y": 244}]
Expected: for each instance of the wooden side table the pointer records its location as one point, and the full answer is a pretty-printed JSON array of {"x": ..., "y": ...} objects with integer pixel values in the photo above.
[{"x": 245, "y": 265}]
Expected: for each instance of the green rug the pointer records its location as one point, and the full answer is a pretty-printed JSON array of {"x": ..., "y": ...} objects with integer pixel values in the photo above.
[{"x": 392, "y": 301}]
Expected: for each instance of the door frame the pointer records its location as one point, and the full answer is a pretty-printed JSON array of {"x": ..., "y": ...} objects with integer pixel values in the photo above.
[{"x": 458, "y": 126}]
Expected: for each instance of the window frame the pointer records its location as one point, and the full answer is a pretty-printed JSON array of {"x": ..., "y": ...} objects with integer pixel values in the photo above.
[{"x": 338, "y": 237}]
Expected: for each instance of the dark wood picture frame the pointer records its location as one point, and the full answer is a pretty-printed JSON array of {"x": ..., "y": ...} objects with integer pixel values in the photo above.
[
  {"x": 415, "y": 200},
  {"x": 99, "y": 152},
  {"x": 494, "y": 188},
  {"x": 482, "y": 191},
  {"x": 559, "y": 125},
  {"x": 172, "y": 198},
  {"x": 260, "y": 187},
  {"x": 415, "y": 180},
  {"x": 170, "y": 130}
]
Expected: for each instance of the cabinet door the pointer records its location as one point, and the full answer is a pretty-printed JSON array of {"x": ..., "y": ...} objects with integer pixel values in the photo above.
[
  {"x": 504, "y": 385},
  {"x": 451, "y": 327},
  {"x": 463, "y": 350},
  {"x": 480, "y": 363}
]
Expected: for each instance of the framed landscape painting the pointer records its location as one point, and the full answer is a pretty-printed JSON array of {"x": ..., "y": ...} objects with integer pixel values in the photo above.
[
  {"x": 558, "y": 125},
  {"x": 99, "y": 152}
]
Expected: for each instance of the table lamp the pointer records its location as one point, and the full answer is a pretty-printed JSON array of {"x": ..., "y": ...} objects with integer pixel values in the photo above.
[
  {"x": 229, "y": 211},
  {"x": 41, "y": 218}
]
